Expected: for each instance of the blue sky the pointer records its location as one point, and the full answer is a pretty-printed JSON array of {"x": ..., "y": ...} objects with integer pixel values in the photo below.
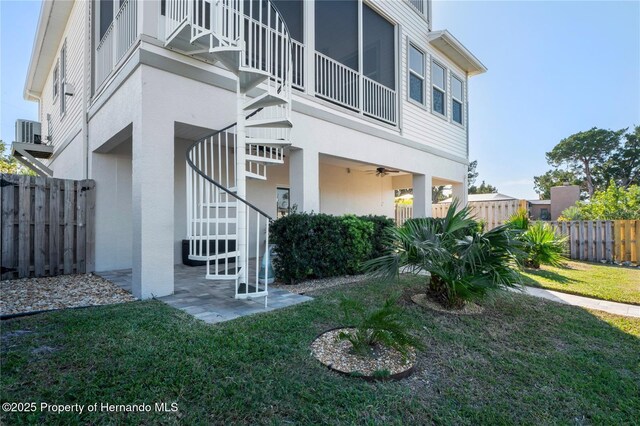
[{"x": 555, "y": 68}]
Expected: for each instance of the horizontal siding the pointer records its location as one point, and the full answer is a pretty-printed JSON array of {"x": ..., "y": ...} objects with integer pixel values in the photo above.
[
  {"x": 419, "y": 124},
  {"x": 61, "y": 128}
]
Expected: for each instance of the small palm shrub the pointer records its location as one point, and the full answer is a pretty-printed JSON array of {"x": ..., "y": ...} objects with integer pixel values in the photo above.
[
  {"x": 540, "y": 244},
  {"x": 464, "y": 261},
  {"x": 519, "y": 220},
  {"x": 543, "y": 246},
  {"x": 380, "y": 326}
]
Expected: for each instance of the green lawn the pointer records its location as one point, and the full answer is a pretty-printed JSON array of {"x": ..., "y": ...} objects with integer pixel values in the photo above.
[
  {"x": 606, "y": 282},
  {"x": 523, "y": 361}
]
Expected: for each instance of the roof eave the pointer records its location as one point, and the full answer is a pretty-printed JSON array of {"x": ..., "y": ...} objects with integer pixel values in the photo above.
[
  {"x": 445, "y": 42},
  {"x": 54, "y": 15}
]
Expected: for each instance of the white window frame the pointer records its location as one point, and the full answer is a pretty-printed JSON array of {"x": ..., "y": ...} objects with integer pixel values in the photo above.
[
  {"x": 63, "y": 79},
  {"x": 279, "y": 187},
  {"x": 442, "y": 89},
  {"x": 421, "y": 77},
  {"x": 460, "y": 101},
  {"x": 56, "y": 81}
]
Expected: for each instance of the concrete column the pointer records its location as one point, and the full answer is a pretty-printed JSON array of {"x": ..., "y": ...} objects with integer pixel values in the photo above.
[
  {"x": 460, "y": 191},
  {"x": 304, "y": 180},
  {"x": 422, "y": 195},
  {"x": 152, "y": 200}
]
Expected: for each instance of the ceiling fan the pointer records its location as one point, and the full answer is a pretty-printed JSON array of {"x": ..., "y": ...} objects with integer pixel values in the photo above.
[{"x": 382, "y": 171}]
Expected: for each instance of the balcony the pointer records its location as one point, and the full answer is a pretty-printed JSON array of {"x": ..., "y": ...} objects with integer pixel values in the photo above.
[
  {"x": 116, "y": 41},
  {"x": 344, "y": 86},
  {"x": 193, "y": 27}
]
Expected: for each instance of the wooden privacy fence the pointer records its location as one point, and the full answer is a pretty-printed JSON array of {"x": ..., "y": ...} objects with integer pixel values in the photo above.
[
  {"x": 493, "y": 213},
  {"x": 595, "y": 240},
  {"x": 48, "y": 226}
]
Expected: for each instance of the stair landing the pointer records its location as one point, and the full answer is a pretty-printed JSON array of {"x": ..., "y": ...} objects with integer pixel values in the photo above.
[{"x": 210, "y": 301}]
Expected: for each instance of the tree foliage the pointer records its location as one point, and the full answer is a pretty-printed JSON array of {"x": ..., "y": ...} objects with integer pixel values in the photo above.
[
  {"x": 614, "y": 203},
  {"x": 483, "y": 188},
  {"x": 472, "y": 174},
  {"x": 592, "y": 159},
  {"x": 542, "y": 184},
  {"x": 9, "y": 165}
]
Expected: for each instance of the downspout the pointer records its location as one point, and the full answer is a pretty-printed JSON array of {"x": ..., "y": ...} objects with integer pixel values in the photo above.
[{"x": 86, "y": 83}]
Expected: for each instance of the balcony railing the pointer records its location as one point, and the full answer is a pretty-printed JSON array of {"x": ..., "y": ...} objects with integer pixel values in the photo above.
[
  {"x": 379, "y": 101},
  {"x": 298, "y": 64},
  {"x": 340, "y": 84},
  {"x": 115, "y": 42}
]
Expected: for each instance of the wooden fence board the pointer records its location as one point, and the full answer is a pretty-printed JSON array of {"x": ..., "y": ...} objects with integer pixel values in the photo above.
[
  {"x": 7, "y": 199},
  {"x": 39, "y": 234},
  {"x": 54, "y": 228},
  {"x": 24, "y": 226},
  {"x": 69, "y": 218},
  {"x": 48, "y": 226}
]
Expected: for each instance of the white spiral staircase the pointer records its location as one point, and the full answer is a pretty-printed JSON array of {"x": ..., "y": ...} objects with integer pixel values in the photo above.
[{"x": 224, "y": 229}]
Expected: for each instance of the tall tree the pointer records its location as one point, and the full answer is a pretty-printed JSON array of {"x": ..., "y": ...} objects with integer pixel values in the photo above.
[
  {"x": 483, "y": 188},
  {"x": 542, "y": 184},
  {"x": 472, "y": 174},
  {"x": 623, "y": 166},
  {"x": 586, "y": 154}
]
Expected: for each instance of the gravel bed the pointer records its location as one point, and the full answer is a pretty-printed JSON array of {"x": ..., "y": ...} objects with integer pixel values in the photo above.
[
  {"x": 336, "y": 354},
  {"x": 64, "y": 291},
  {"x": 469, "y": 308},
  {"x": 319, "y": 284}
]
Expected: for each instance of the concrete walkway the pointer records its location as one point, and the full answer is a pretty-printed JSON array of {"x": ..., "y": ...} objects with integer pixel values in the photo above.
[{"x": 585, "y": 302}]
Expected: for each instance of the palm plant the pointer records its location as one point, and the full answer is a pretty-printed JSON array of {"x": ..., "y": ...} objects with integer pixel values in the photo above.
[
  {"x": 380, "y": 326},
  {"x": 540, "y": 243},
  {"x": 543, "y": 246},
  {"x": 464, "y": 262}
]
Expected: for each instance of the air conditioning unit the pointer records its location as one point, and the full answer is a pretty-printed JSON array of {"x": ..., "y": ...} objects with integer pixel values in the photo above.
[{"x": 28, "y": 131}]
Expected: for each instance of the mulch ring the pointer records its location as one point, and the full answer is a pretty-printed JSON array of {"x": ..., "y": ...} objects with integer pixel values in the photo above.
[
  {"x": 65, "y": 291},
  {"x": 469, "y": 308},
  {"x": 386, "y": 364}
]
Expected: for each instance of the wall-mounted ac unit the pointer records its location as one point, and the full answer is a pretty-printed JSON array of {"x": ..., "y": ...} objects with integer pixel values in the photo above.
[{"x": 28, "y": 131}]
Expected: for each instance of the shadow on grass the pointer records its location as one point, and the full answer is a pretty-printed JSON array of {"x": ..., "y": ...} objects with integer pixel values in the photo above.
[{"x": 549, "y": 275}]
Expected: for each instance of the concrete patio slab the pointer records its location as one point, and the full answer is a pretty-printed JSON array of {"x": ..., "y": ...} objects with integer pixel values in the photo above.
[{"x": 208, "y": 300}]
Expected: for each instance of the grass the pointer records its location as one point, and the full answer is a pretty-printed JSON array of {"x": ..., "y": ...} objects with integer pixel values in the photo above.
[
  {"x": 605, "y": 282},
  {"x": 523, "y": 361}
]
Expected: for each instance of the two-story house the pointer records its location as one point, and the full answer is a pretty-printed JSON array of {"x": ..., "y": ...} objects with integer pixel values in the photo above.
[{"x": 200, "y": 120}]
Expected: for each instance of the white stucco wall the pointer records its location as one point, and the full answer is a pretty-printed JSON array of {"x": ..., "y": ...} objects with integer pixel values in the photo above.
[{"x": 356, "y": 192}]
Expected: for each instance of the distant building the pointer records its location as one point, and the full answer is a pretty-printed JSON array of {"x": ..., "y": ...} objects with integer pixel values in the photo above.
[{"x": 540, "y": 209}]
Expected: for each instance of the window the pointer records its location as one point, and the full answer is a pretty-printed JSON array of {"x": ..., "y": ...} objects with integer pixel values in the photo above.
[
  {"x": 63, "y": 78},
  {"x": 56, "y": 80},
  {"x": 438, "y": 79},
  {"x": 337, "y": 31},
  {"x": 416, "y": 74},
  {"x": 106, "y": 16},
  {"x": 378, "y": 40},
  {"x": 292, "y": 14},
  {"x": 418, "y": 4},
  {"x": 282, "y": 203},
  {"x": 457, "y": 99}
]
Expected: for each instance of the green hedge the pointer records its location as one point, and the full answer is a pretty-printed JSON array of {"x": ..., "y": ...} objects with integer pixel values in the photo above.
[{"x": 321, "y": 245}]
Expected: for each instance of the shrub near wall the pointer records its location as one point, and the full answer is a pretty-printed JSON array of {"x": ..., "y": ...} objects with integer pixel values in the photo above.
[{"x": 321, "y": 245}]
